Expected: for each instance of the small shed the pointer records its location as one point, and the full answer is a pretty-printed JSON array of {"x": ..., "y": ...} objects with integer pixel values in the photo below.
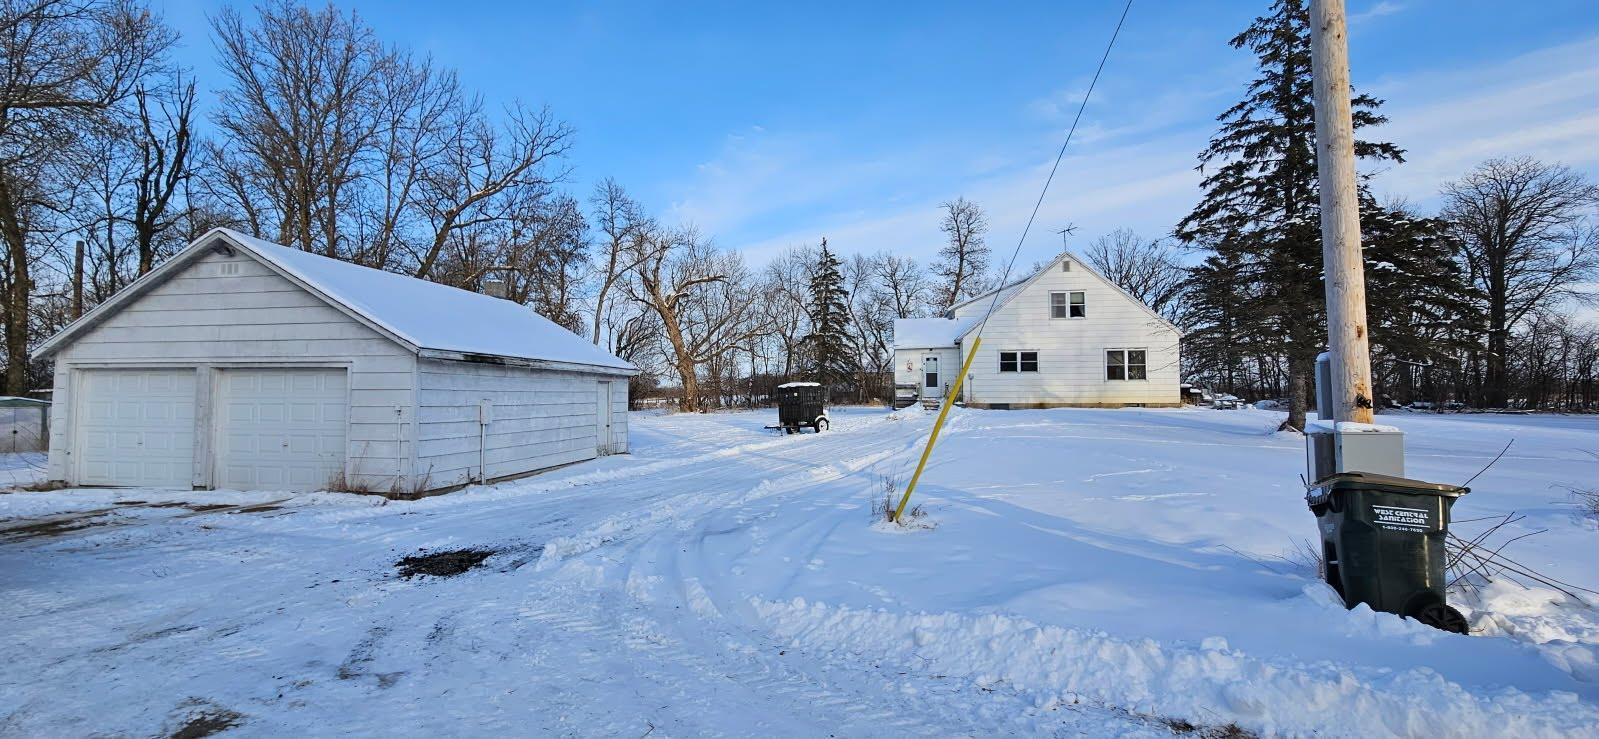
[
  {"x": 24, "y": 424},
  {"x": 242, "y": 364}
]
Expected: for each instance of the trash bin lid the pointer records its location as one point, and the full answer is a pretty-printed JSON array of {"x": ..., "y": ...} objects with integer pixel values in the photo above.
[{"x": 1387, "y": 483}]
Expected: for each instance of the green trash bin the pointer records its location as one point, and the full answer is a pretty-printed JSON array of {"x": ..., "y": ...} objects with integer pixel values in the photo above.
[{"x": 1383, "y": 543}]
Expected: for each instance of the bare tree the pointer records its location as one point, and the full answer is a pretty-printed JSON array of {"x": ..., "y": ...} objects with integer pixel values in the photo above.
[
  {"x": 619, "y": 219},
  {"x": 67, "y": 62},
  {"x": 163, "y": 145},
  {"x": 482, "y": 162},
  {"x": 903, "y": 283},
  {"x": 963, "y": 262},
  {"x": 299, "y": 115},
  {"x": 701, "y": 296},
  {"x": 1146, "y": 269},
  {"x": 1527, "y": 244},
  {"x": 785, "y": 300}
]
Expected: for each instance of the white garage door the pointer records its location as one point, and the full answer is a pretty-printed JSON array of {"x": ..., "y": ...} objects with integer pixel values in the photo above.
[
  {"x": 136, "y": 428},
  {"x": 280, "y": 429}
]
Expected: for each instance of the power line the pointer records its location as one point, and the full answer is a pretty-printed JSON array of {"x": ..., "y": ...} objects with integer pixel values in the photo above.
[
  {"x": 977, "y": 340},
  {"x": 1058, "y": 157}
]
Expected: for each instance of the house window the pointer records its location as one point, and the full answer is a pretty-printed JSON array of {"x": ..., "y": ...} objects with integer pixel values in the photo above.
[
  {"x": 1068, "y": 305},
  {"x": 1126, "y": 364},
  {"x": 1018, "y": 361}
]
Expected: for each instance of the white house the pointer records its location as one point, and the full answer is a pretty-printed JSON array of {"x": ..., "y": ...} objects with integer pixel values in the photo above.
[
  {"x": 1065, "y": 336},
  {"x": 241, "y": 364}
]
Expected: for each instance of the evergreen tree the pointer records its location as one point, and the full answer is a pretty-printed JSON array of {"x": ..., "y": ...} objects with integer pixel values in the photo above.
[
  {"x": 826, "y": 346},
  {"x": 1261, "y": 211},
  {"x": 1421, "y": 309}
]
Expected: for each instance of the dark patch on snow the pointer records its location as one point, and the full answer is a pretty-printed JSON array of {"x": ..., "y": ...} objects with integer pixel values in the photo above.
[
  {"x": 1184, "y": 727},
  {"x": 130, "y": 502},
  {"x": 203, "y": 507},
  {"x": 208, "y": 721},
  {"x": 52, "y": 527},
  {"x": 263, "y": 508},
  {"x": 447, "y": 563},
  {"x": 361, "y": 656}
]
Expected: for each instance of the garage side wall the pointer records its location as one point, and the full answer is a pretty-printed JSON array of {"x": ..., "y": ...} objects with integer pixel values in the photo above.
[
  {"x": 536, "y": 419},
  {"x": 233, "y": 312}
]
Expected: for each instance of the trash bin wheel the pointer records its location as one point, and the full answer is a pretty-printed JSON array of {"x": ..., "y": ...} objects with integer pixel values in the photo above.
[
  {"x": 1443, "y": 617},
  {"x": 1431, "y": 610},
  {"x": 820, "y": 425}
]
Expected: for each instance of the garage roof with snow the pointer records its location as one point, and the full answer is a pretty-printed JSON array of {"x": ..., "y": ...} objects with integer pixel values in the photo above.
[{"x": 427, "y": 315}]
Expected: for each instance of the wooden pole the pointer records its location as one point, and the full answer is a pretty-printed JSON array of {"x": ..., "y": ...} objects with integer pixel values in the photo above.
[
  {"x": 1340, "y": 214},
  {"x": 77, "y": 279},
  {"x": 938, "y": 425}
]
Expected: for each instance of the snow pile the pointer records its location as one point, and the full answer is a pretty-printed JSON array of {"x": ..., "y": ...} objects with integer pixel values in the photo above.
[{"x": 1207, "y": 685}]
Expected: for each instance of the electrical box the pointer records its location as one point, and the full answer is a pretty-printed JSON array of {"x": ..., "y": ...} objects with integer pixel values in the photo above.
[
  {"x": 1353, "y": 447},
  {"x": 1347, "y": 447},
  {"x": 485, "y": 412}
]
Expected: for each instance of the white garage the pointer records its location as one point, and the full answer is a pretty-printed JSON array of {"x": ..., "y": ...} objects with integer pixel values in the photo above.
[{"x": 241, "y": 364}]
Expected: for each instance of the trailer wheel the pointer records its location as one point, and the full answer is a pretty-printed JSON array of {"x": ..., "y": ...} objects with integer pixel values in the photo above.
[{"x": 820, "y": 425}]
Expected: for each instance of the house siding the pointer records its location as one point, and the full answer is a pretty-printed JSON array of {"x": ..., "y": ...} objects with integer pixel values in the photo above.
[
  {"x": 1071, "y": 351},
  {"x": 539, "y": 419},
  {"x": 224, "y": 311},
  {"x": 910, "y": 363}
]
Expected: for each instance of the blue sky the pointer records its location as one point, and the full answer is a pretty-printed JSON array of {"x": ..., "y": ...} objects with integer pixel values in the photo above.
[{"x": 774, "y": 124}]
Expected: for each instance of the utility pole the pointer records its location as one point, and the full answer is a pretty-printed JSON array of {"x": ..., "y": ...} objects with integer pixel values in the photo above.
[
  {"x": 1345, "y": 279},
  {"x": 77, "y": 279}
]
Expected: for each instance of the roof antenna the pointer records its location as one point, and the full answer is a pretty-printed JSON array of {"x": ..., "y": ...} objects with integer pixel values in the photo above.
[{"x": 1070, "y": 229}]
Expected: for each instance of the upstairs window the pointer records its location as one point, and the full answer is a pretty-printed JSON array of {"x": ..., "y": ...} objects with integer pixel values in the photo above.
[
  {"x": 1126, "y": 364},
  {"x": 1068, "y": 305},
  {"x": 1018, "y": 361}
]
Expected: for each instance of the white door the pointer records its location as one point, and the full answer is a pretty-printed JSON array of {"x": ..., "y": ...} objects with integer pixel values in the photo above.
[
  {"x": 604, "y": 418},
  {"x": 280, "y": 429},
  {"x": 930, "y": 376},
  {"x": 136, "y": 428}
]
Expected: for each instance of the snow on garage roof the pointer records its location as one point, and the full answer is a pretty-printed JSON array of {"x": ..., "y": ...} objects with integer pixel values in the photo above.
[
  {"x": 926, "y": 333},
  {"x": 434, "y": 316},
  {"x": 427, "y": 315}
]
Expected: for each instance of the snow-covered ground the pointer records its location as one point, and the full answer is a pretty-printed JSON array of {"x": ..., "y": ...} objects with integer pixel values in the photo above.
[
  {"x": 20, "y": 469},
  {"x": 1100, "y": 572}
]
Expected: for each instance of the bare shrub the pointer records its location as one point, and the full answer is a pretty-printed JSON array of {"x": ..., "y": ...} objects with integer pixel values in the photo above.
[
  {"x": 883, "y": 510},
  {"x": 1587, "y": 500},
  {"x": 1480, "y": 560}
]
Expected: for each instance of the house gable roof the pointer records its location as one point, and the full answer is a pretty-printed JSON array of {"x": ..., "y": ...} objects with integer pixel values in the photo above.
[
  {"x": 426, "y": 317},
  {"x": 1021, "y": 286}
]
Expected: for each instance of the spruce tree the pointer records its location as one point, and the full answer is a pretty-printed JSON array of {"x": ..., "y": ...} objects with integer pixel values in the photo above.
[
  {"x": 1261, "y": 211},
  {"x": 1421, "y": 309},
  {"x": 826, "y": 345}
]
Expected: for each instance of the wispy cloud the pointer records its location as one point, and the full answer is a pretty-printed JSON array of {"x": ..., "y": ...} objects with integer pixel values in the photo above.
[
  {"x": 1133, "y": 164},
  {"x": 1543, "y": 104},
  {"x": 1378, "y": 10}
]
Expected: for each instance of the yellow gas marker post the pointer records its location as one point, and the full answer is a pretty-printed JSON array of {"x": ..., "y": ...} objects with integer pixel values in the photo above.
[{"x": 938, "y": 425}]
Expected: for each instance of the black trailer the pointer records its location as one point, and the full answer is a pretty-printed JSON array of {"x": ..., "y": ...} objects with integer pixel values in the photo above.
[{"x": 801, "y": 404}]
